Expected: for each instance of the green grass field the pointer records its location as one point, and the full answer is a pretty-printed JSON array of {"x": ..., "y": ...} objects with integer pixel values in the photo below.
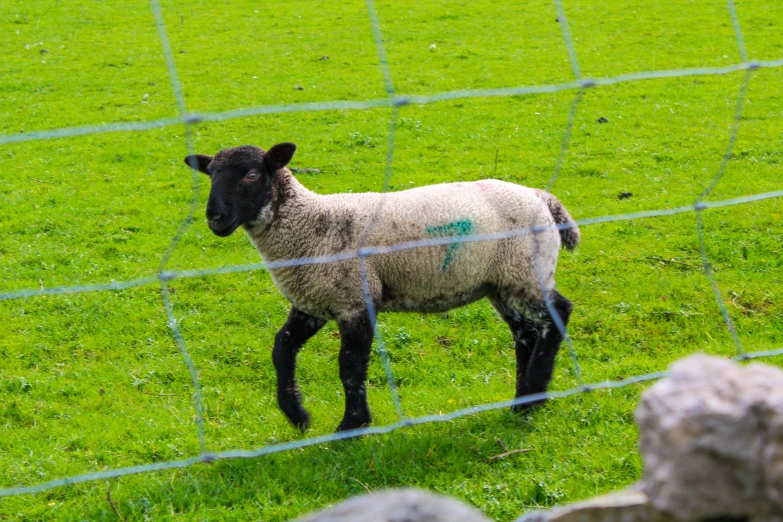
[{"x": 95, "y": 381}]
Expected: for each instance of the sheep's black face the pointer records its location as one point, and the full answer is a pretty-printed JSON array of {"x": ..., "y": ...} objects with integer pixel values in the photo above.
[{"x": 243, "y": 181}]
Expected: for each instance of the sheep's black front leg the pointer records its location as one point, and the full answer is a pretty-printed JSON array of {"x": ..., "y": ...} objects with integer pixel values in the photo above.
[
  {"x": 542, "y": 361},
  {"x": 357, "y": 335},
  {"x": 298, "y": 328}
]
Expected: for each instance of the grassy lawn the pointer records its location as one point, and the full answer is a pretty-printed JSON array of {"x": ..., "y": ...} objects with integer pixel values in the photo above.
[{"x": 95, "y": 381}]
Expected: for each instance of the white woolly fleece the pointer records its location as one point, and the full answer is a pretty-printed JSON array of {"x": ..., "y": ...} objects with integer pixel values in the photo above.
[{"x": 426, "y": 279}]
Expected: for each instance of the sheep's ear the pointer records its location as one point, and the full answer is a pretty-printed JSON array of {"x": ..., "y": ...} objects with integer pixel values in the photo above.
[
  {"x": 278, "y": 156},
  {"x": 200, "y": 162}
]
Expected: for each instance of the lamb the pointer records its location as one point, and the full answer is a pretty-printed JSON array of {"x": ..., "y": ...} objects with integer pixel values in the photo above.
[{"x": 254, "y": 189}]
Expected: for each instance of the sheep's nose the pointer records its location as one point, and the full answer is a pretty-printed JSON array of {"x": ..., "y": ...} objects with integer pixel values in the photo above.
[{"x": 215, "y": 219}]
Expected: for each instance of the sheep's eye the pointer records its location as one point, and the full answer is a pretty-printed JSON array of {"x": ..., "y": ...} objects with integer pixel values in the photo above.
[{"x": 252, "y": 175}]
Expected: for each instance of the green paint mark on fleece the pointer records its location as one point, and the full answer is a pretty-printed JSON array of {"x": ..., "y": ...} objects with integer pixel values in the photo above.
[{"x": 461, "y": 227}]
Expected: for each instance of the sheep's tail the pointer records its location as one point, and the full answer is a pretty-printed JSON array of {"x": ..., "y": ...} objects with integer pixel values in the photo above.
[{"x": 569, "y": 236}]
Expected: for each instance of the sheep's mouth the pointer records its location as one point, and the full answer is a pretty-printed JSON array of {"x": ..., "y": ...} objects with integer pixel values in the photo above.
[{"x": 224, "y": 231}]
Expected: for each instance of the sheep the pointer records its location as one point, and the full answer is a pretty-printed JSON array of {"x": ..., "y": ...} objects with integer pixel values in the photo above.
[{"x": 253, "y": 189}]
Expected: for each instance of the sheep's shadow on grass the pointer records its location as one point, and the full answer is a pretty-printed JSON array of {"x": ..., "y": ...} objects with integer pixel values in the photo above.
[{"x": 435, "y": 456}]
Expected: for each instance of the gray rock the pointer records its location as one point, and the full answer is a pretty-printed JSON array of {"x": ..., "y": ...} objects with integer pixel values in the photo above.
[
  {"x": 712, "y": 441},
  {"x": 630, "y": 505},
  {"x": 403, "y": 505}
]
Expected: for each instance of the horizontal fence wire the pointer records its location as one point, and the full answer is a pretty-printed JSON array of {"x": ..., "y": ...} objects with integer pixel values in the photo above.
[
  {"x": 209, "y": 457},
  {"x": 393, "y": 100},
  {"x": 368, "y": 251}
]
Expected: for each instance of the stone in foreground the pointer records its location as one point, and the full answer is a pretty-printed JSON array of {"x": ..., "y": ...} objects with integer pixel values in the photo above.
[
  {"x": 712, "y": 441},
  {"x": 630, "y": 505},
  {"x": 404, "y": 505}
]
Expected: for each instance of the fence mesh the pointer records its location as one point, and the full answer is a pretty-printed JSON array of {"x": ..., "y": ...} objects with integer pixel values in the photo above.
[{"x": 163, "y": 276}]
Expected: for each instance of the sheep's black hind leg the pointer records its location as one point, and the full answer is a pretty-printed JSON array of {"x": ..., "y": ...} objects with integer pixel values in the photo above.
[
  {"x": 536, "y": 341},
  {"x": 525, "y": 334},
  {"x": 295, "y": 332},
  {"x": 357, "y": 335},
  {"x": 542, "y": 361}
]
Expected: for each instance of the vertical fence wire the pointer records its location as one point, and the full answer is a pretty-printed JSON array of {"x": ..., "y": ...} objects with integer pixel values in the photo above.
[
  {"x": 700, "y": 221},
  {"x": 198, "y": 402},
  {"x": 559, "y": 324},
  {"x": 381, "y": 49},
  {"x": 721, "y": 171},
  {"x": 737, "y": 30},
  {"x": 561, "y": 18},
  {"x": 566, "y": 139},
  {"x": 390, "y": 145}
]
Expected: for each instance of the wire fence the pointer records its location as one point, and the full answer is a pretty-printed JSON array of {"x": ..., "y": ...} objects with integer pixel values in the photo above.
[{"x": 163, "y": 276}]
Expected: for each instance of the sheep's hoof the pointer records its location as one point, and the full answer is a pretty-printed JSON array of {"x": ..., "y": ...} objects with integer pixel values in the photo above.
[
  {"x": 528, "y": 407},
  {"x": 353, "y": 424},
  {"x": 303, "y": 425},
  {"x": 301, "y": 420}
]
